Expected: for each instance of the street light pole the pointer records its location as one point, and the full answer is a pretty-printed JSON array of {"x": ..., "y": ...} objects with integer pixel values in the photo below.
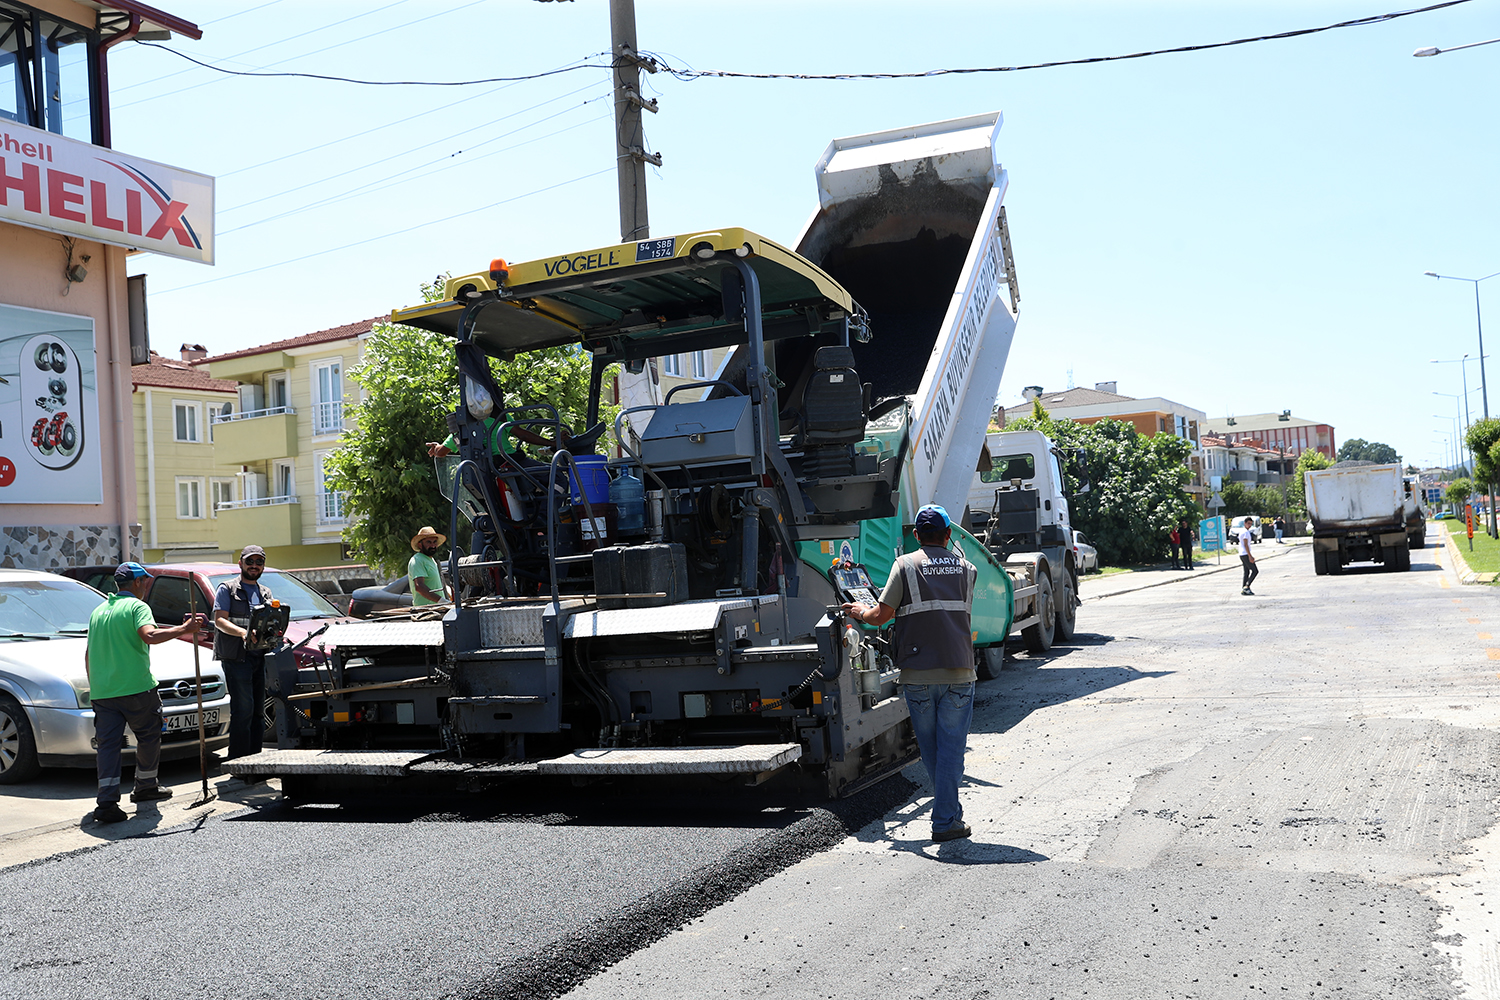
[{"x": 1484, "y": 389}]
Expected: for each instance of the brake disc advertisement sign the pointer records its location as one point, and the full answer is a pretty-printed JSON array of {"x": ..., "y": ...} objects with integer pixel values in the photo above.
[{"x": 49, "y": 408}]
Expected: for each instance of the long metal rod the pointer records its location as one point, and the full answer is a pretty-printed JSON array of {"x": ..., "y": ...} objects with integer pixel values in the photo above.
[{"x": 198, "y": 683}]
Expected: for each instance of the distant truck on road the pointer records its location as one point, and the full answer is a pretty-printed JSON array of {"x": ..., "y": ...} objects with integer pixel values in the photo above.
[{"x": 1359, "y": 513}]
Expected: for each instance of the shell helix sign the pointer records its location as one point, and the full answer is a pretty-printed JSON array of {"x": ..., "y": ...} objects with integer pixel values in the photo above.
[
  {"x": 49, "y": 408},
  {"x": 65, "y": 186}
]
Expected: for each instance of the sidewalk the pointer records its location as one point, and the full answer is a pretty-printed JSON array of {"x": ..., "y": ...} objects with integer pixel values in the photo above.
[
  {"x": 1092, "y": 588},
  {"x": 53, "y": 814},
  {"x": 1456, "y": 550}
]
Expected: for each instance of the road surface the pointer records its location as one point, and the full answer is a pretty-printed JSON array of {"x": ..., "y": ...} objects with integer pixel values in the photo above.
[{"x": 1206, "y": 795}]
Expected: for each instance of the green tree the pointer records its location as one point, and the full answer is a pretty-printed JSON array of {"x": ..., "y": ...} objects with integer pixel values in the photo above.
[
  {"x": 410, "y": 383},
  {"x": 1458, "y": 492},
  {"x": 1296, "y": 489},
  {"x": 1483, "y": 440},
  {"x": 1136, "y": 493},
  {"x": 1360, "y": 450}
]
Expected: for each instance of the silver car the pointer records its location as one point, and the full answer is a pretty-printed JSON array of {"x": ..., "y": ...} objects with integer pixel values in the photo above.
[
  {"x": 1085, "y": 556},
  {"x": 45, "y": 715}
]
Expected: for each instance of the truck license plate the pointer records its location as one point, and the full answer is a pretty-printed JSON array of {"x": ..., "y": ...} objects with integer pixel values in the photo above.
[{"x": 177, "y": 723}]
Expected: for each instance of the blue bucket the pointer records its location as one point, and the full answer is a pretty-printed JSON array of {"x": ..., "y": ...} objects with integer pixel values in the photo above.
[{"x": 593, "y": 471}]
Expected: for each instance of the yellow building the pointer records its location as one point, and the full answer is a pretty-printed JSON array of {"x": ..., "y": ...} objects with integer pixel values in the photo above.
[
  {"x": 292, "y": 409},
  {"x": 179, "y": 480}
]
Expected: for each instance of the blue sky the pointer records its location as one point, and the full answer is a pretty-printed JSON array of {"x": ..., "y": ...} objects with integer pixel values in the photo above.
[{"x": 1241, "y": 230}]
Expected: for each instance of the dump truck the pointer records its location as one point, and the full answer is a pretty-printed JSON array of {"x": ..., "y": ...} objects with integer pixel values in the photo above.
[
  {"x": 1358, "y": 513},
  {"x": 1018, "y": 506},
  {"x": 673, "y": 609}
]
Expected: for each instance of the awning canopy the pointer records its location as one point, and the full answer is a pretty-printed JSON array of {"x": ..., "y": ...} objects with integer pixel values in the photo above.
[{"x": 631, "y": 300}]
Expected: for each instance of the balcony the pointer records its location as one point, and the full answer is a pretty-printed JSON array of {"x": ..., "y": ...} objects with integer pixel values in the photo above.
[
  {"x": 265, "y": 521},
  {"x": 255, "y": 436},
  {"x": 251, "y": 367},
  {"x": 1268, "y": 479},
  {"x": 1242, "y": 476}
]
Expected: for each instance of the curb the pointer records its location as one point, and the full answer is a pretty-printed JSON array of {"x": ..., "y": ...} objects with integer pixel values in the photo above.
[
  {"x": 1461, "y": 564},
  {"x": 1272, "y": 554}
]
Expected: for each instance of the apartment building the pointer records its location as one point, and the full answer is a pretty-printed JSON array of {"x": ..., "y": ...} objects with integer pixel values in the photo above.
[
  {"x": 180, "y": 481},
  {"x": 1150, "y": 416},
  {"x": 1279, "y": 432},
  {"x": 291, "y": 409}
]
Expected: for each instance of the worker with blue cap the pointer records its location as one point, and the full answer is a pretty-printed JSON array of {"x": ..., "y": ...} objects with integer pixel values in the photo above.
[{"x": 929, "y": 594}]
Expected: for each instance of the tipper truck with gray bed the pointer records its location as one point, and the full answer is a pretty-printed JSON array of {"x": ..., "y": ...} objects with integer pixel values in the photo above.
[
  {"x": 674, "y": 609},
  {"x": 1358, "y": 514}
]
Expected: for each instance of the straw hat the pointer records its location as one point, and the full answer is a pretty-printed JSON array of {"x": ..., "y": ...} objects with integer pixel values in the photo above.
[{"x": 426, "y": 532}]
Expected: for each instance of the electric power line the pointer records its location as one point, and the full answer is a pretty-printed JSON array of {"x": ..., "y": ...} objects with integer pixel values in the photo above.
[
  {"x": 386, "y": 236},
  {"x": 398, "y": 178},
  {"x": 694, "y": 74},
  {"x": 425, "y": 144}
]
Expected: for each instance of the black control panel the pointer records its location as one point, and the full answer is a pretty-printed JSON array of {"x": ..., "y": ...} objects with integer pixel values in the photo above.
[{"x": 853, "y": 584}]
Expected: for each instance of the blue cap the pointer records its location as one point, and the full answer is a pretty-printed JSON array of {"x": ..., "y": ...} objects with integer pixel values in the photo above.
[
  {"x": 933, "y": 519},
  {"x": 128, "y": 571}
]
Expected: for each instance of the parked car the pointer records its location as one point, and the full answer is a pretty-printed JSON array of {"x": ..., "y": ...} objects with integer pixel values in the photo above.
[
  {"x": 367, "y": 600},
  {"x": 168, "y": 599},
  {"x": 1234, "y": 527},
  {"x": 1084, "y": 554},
  {"x": 46, "y": 717}
]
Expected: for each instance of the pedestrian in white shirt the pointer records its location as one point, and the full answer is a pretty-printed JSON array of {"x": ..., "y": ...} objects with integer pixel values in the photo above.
[{"x": 1246, "y": 559}]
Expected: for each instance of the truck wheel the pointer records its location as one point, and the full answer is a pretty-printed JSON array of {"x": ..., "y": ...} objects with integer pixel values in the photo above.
[
  {"x": 1038, "y": 637},
  {"x": 1417, "y": 539},
  {"x": 1320, "y": 562},
  {"x": 989, "y": 662},
  {"x": 18, "y": 761},
  {"x": 1403, "y": 559},
  {"x": 1333, "y": 560},
  {"x": 1067, "y": 612}
]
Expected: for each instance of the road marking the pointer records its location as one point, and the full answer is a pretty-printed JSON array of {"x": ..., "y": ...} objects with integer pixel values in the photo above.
[
  {"x": 1493, "y": 654},
  {"x": 1443, "y": 582},
  {"x": 1481, "y": 635},
  {"x": 1473, "y": 621}
]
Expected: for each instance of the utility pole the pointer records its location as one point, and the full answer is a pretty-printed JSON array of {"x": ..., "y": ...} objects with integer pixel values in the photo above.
[{"x": 630, "y": 142}]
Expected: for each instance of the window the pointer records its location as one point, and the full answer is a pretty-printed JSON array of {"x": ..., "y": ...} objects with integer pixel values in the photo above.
[
  {"x": 185, "y": 421},
  {"x": 700, "y": 364},
  {"x": 328, "y": 398},
  {"x": 189, "y": 498},
  {"x": 219, "y": 491},
  {"x": 277, "y": 396},
  {"x": 284, "y": 480},
  {"x": 169, "y": 600},
  {"x": 672, "y": 365},
  {"x": 1004, "y": 469},
  {"x": 1182, "y": 426},
  {"x": 44, "y": 73},
  {"x": 330, "y": 502}
]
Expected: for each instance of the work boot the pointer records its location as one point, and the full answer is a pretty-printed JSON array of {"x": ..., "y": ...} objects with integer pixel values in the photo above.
[
  {"x": 109, "y": 812},
  {"x": 153, "y": 794},
  {"x": 959, "y": 832}
]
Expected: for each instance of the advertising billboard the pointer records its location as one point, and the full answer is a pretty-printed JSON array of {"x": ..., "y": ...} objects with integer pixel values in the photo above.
[
  {"x": 49, "y": 408},
  {"x": 65, "y": 186}
]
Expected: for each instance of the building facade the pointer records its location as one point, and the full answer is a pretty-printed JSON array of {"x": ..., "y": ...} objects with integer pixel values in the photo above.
[
  {"x": 70, "y": 207},
  {"x": 292, "y": 408},
  {"x": 1277, "y": 432},
  {"x": 180, "y": 482},
  {"x": 1149, "y": 417}
]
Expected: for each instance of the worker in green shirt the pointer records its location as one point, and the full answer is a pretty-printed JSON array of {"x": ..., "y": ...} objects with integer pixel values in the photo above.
[
  {"x": 422, "y": 570},
  {"x": 123, "y": 691}
]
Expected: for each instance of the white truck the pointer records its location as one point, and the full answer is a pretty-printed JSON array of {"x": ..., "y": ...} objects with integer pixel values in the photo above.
[
  {"x": 1359, "y": 514},
  {"x": 1018, "y": 505}
]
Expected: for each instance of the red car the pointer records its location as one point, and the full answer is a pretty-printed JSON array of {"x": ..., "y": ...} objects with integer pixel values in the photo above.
[{"x": 168, "y": 599}]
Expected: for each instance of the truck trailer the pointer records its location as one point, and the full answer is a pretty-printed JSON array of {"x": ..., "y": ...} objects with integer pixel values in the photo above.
[{"x": 674, "y": 609}]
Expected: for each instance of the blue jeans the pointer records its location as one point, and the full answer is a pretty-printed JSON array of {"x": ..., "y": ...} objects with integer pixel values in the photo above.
[
  {"x": 940, "y": 715},
  {"x": 247, "y": 699}
]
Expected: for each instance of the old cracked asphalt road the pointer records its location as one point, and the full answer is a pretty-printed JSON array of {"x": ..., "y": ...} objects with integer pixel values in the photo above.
[{"x": 1206, "y": 795}]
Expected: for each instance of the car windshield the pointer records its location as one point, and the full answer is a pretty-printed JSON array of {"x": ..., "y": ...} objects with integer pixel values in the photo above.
[
  {"x": 302, "y": 599},
  {"x": 45, "y": 608}
]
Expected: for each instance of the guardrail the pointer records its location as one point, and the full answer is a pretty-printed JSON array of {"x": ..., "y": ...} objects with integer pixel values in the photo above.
[{"x": 258, "y": 502}]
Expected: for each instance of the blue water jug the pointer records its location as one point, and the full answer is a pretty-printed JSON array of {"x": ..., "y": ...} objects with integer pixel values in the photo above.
[{"x": 628, "y": 494}]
